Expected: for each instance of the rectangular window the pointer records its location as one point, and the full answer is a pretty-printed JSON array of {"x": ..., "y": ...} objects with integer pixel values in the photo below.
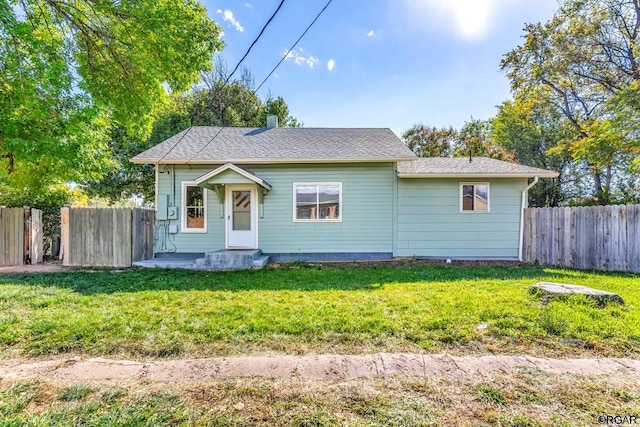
[
  {"x": 317, "y": 202},
  {"x": 194, "y": 203},
  {"x": 474, "y": 196}
]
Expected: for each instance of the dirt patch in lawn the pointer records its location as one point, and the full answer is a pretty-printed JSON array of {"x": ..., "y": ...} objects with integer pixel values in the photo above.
[
  {"x": 325, "y": 367},
  {"x": 45, "y": 267}
]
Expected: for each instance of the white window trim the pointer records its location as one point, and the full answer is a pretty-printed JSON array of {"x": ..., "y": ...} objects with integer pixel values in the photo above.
[
  {"x": 183, "y": 209},
  {"x": 339, "y": 219},
  {"x": 462, "y": 184}
]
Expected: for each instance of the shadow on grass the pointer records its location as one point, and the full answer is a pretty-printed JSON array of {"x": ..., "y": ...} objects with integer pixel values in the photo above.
[{"x": 296, "y": 277}]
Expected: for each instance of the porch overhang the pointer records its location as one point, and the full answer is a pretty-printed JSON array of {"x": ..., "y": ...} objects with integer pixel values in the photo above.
[{"x": 230, "y": 174}]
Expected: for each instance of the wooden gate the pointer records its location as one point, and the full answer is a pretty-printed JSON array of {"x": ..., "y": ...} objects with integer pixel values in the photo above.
[
  {"x": 20, "y": 236},
  {"x": 106, "y": 237}
]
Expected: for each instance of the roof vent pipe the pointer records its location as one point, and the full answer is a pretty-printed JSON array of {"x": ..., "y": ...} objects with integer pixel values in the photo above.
[{"x": 272, "y": 121}]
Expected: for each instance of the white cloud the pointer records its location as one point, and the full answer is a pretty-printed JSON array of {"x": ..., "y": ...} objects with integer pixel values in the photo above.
[
  {"x": 330, "y": 64},
  {"x": 298, "y": 59},
  {"x": 371, "y": 33},
  {"x": 312, "y": 61},
  {"x": 227, "y": 16},
  {"x": 248, "y": 5},
  {"x": 471, "y": 19}
]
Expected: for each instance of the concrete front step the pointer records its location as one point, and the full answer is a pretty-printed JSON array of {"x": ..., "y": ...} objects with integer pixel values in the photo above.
[
  {"x": 232, "y": 260},
  {"x": 219, "y": 260},
  {"x": 260, "y": 262}
]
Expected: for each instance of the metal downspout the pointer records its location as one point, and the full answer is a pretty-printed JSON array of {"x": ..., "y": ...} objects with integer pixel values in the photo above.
[{"x": 522, "y": 208}]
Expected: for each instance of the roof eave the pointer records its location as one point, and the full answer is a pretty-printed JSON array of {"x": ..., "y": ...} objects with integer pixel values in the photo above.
[
  {"x": 478, "y": 175},
  {"x": 266, "y": 161}
]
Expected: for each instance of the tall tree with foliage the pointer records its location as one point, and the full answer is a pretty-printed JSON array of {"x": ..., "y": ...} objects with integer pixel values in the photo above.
[
  {"x": 225, "y": 102},
  {"x": 71, "y": 71},
  {"x": 474, "y": 139},
  {"x": 427, "y": 141},
  {"x": 218, "y": 104},
  {"x": 530, "y": 129},
  {"x": 578, "y": 63}
]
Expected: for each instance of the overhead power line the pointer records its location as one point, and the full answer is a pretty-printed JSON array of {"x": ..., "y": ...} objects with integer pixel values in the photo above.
[
  {"x": 294, "y": 45},
  {"x": 255, "y": 41},
  {"x": 272, "y": 71}
]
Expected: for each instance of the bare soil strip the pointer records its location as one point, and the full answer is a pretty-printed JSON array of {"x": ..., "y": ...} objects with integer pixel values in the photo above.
[{"x": 325, "y": 366}]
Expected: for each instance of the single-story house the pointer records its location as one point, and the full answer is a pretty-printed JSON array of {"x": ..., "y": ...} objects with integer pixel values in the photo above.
[{"x": 320, "y": 193}]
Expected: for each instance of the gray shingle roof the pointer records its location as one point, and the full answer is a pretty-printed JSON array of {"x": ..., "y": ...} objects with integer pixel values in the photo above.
[
  {"x": 204, "y": 144},
  {"x": 440, "y": 167}
]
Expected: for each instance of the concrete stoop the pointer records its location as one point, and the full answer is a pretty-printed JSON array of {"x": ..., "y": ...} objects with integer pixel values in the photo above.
[
  {"x": 218, "y": 260},
  {"x": 232, "y": 260}
]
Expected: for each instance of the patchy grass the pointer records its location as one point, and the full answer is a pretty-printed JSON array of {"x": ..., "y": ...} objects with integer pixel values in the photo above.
[
  {"x": 302, "y": 308},
  {"x": 560, "y": 400}
]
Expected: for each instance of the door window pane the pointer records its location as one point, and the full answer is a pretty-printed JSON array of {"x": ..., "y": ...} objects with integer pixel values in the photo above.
[{"x": 241, "y": 215}]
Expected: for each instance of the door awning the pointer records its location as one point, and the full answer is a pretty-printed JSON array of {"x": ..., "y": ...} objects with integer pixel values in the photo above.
[{"x": 229, "y": 174}]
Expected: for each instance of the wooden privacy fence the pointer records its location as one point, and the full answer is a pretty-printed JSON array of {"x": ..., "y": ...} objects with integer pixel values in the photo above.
[
  {"x": 599, "y": 237},
  {"x": 20, "y": 236},
  {"x": 106, "y": 237}
]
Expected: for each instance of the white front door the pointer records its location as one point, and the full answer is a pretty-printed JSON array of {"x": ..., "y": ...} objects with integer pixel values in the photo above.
[{"x": 241, "y": 217}]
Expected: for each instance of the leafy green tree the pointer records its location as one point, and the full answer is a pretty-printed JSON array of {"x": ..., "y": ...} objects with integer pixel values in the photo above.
[
  {"x": 234, "y": 103},
  {"x": 220, "y": 104},
  {"x": 578, "y": 63},
  {"x": 430, "y": 141},
  {"x": 474, "y": 139},
  {"x": 533, "y": 132},
  {"x": 71, "y": 71}
]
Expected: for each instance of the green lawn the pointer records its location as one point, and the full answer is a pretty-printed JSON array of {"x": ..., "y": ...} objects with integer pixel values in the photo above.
[{"x": 311, "y": 309}]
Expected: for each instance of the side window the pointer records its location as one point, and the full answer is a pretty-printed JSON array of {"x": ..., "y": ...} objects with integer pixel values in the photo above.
[
  {"x": 317, "y": 201},
  {"x": 474, "y": 197},
  {"x": 194, "y": 206}
]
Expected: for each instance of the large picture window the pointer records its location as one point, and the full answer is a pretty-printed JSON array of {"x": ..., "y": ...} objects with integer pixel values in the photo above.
[
  {"x": 317, "y": 201},
  {"x": 474, "y": 197},
  {"x": 194, "y": 208}
]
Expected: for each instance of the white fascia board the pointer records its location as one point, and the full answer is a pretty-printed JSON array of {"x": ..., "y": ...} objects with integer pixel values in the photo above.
[
  {"x": 479, "y": 175},
  {"x": 270, "y": 161},
  {"x": 237, "y": 170}
]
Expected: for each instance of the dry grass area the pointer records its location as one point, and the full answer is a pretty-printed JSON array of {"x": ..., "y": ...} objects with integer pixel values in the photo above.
[{"x": 527, "y": 397}]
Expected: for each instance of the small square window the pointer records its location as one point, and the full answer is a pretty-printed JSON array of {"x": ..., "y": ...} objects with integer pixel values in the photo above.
[{"x": 474, "y": 196}]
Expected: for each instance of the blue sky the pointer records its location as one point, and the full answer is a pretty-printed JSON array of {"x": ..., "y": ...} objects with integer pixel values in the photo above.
[{"x": 381, "y": 63}]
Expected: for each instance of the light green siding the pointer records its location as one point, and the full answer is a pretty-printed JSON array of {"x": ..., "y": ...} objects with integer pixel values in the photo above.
[
  {"x": 367, "y": 209},
  {"x": 430, "y": 223},
  {"x": 229, "y": 177}
]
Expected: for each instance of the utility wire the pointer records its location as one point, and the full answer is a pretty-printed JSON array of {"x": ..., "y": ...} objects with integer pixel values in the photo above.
[
  {"x": 236, "y": 69},
  {"x": 272, "y": 71},
  {"x": 294, "y": 45},
  {"x": 176, "y": 144},
  {"x": 255, "y": 41}
]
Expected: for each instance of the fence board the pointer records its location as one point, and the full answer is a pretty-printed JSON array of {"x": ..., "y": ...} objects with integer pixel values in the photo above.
[
  {"x": 37, "y": 252},
  {"x": 602, "y": 237},
  {"x": 633, "y": 238},
  {"x": 11, "y": 236}
]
